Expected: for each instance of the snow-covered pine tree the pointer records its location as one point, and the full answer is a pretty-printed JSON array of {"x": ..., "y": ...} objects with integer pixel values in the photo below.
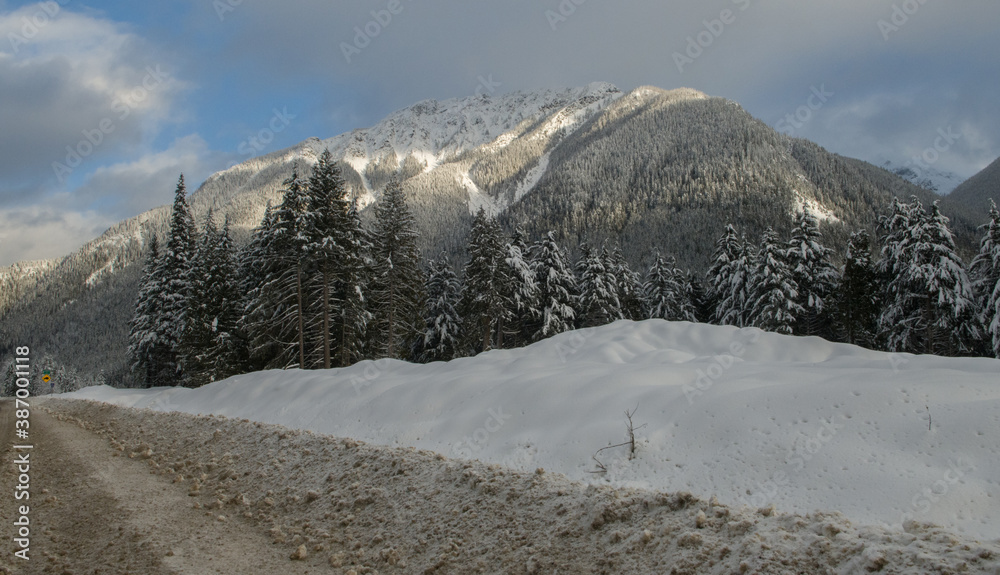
[
  {"x": 985, "y": 275},
  {"x": 258, "y": 331},
  {"x": 522, "y": 294},
  {"x": 855, "y": 301},
  {"x": 729, "y": 280},
  {"x": 666, "y": 292},
  {"x": 557, "y": 289},
  {"x": 442, "y": 336},
  {"x": 487, "y": 279},
  {"x": 397, "y": 293},
  {"x": 149, "y": 350},
  {"x": 199, "y": 326},
  {"x": 225, "y": 354},
  {"x": 775, "y": 294},
  {"x": 813, "y": 272},
  {"x": 599, "y": 303},
  {"x": 630, "y": 286},
  {"x": 929, "y": 301},
  {"x": 274, "y": 318},
  {"x": 176, "y": 273},
  {"x": 352, "y": 288},
  {"x": 324, "y": 227}
]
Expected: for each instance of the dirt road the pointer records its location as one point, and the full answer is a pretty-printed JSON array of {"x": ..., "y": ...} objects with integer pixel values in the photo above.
[
  {"x": 92, "y": 509},
  {"x": 116, "y": 491}
]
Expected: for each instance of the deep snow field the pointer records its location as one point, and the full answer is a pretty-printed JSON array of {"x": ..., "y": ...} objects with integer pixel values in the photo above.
[{"x": 753, "y": 418}]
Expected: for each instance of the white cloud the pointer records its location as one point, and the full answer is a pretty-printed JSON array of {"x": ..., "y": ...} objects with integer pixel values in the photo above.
[
  {"x": 74, "y": 80},
  {"x": 46, "y": 231}
]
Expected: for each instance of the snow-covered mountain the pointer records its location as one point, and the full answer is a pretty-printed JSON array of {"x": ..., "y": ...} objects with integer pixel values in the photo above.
[
  {"x": 927, "y": 177},
  {"x": 651, "y": 169}
]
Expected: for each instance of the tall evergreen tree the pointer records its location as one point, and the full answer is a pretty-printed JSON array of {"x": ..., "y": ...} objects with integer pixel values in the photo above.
[
  {"x": 856, "y": 299},
  {"x": 775, "y": 294},
  {"x": 985, "y": 275},
  {"x": 929, "y": 301},
  {"x": 199, "y": 332},
  {"x": 557, "y": 289},
  {"x": 352, "y": 288},
  {"x": 729, "y": 280},
  {"x": 599, "y": 303},
  {"x": 274, "y": 317},
  {"x": 521, "y": 294},
  {"x": 148, "y": 344},
  {"x": 630, "y": 286},
  {"x": 397, "y": 297},
  {"x": 442, "y": 337},
  {"x": 487, "y": 277},
  {"x": 325, "y": 228},
  {"x": 814, "y": 274},
  {"x": 208, "y": 349},
  {"x": 666, "y": 292},
  {"x": 177, "y": 260}
]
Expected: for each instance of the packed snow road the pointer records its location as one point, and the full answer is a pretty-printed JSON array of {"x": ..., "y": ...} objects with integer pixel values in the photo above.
[{"x": 118, "y": 490}]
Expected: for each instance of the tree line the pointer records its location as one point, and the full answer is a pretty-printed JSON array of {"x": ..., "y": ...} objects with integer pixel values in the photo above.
[{"x": 315, "y": 288}]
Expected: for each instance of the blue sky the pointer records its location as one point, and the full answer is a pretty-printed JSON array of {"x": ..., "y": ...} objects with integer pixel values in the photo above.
[{"x": 143, "y": 91}]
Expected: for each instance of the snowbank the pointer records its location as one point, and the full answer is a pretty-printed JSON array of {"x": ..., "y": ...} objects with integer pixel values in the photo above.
[{"x": 753, "y": 418}]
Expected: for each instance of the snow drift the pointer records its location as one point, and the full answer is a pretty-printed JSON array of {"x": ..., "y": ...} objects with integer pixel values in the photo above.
[{"x": 753, "y": 418}]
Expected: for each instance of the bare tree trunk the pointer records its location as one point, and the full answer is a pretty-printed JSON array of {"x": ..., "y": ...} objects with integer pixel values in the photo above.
[
  {"x": 302, "y": 336},
  {"x": 326, "y": 317}
]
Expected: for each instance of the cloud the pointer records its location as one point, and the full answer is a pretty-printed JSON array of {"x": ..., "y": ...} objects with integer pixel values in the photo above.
[
  {"x": 67, "y": 220},
  {"x": 76, "y": 89},
  {"x": 44, "y": 231}
]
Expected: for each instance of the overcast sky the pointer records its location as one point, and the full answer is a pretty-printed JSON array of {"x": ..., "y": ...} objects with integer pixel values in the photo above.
[{"x": 104, "y": 103}]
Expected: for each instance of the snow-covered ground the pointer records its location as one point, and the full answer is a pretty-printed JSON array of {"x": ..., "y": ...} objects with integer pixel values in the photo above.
[{"x": 753, "y": 418}]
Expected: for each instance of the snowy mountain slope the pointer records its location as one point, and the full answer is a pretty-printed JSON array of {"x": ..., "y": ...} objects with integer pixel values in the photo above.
[
  {"x": 753, "y": 418},
  {"x": 927, "y": 177}
]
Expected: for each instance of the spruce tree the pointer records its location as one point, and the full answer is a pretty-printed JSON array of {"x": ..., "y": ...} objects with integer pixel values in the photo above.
[
  {"x": 442, "y": 336},
  {"x": 397, "y": 297},
  {"x": 856, "y": 299},
  {"x": 813, "y": 272},
  {"x": 274, "y": 319},
  {"x": 149, "y": 350},
  {"x": 775, "y": 294},
  {"x": 729, "y": 280},
  {"x": 599, "y": 289},
  {"x": 630, "y": 286},
  {"x": 667, "y": 293},
  {"x": 199, "y": 327},
  {"x": 176, "y": 274},
  {"x": 352, "y": 288},
  {"x": 521, "y": 294},
  {"x": 929, "y": 300},
  {"x": 487, "y": 278},
  {"x": 325, "y": 228},
  {"x": 557, "y": 288},
  {"x": 985, "y": 275}
]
